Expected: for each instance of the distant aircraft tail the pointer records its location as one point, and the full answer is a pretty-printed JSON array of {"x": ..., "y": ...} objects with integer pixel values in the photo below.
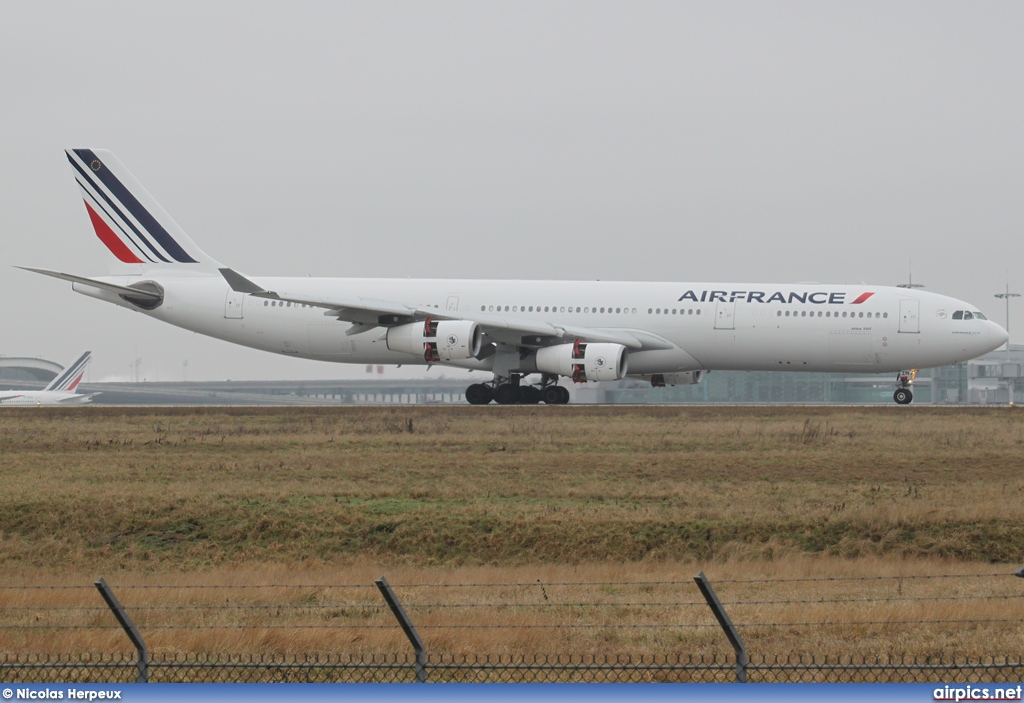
[
  {"x": 128, "y": 220},
  {"x": 69, "y": 379}
]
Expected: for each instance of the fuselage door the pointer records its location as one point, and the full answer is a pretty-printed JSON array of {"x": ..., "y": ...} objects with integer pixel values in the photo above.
[
  {"x": 233, "y": 305},
  {"x": 724, "y": 314},
  {"x": 452, "y": 304},
  {"x": 910, "y": 316}
]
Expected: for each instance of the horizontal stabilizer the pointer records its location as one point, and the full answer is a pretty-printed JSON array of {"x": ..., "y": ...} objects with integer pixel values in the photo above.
[{"x": 102, "y": 285}]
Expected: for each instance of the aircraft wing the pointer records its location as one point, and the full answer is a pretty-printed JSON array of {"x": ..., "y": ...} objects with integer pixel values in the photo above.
[{"x": 368, "y": 313}]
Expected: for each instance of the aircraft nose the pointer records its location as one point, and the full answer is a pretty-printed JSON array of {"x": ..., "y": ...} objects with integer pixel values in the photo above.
[{"x": 996, "y": 335}]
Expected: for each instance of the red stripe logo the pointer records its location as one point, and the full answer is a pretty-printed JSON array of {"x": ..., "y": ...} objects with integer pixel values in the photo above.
[
  {"x": 861, "y": 298},
  {"x": 74, "y": 384},
  {"x": 111, "y": 240}
]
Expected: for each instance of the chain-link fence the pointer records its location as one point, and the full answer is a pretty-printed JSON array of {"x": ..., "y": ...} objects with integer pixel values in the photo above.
[{"x": 669, "y": 630}]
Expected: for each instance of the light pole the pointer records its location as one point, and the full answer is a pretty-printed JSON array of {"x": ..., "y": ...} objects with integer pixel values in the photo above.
[
  {"x": 910, "y": 278},
  {"x": 1006, "y": 296}
]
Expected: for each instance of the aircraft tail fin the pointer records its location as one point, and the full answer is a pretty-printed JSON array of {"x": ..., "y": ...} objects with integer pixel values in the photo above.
[
  {"x": 69, "y": 379},
  {"x": 128, "y": 220}
]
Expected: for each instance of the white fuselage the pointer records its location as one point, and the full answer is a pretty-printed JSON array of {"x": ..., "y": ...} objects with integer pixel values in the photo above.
[
  {"x": 713, "y": 326},
  {"x": 40, "y": 398}
]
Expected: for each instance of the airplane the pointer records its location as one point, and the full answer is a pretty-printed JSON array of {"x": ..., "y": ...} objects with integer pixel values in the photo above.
[
  {"x": 528, "y": 334},
  {"x": 61, "y": 390}
]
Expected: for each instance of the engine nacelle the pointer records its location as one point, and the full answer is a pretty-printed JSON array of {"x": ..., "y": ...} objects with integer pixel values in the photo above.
[
  {"x": 584, "y": 361},
  {"x": 437, "y": 340},
  {"x": 681, "y": 378}
]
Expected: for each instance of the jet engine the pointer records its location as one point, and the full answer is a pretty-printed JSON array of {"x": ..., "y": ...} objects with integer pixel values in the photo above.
[
  {"x": 583, "y": 361},
  {"x": 437, "y": 340},
  {"x": 681, "y": 378}
]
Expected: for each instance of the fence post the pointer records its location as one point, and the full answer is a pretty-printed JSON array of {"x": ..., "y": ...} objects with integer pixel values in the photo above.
[
  {"x": 407, "y": 627},
  {"x": 723, "y": 619},
  {"x": 129, "y": 627}
]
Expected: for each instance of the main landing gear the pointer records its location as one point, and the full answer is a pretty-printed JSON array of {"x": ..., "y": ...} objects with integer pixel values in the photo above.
[
  {"x": 510, "y": 392},
  {"x": 903, "y": 394}
]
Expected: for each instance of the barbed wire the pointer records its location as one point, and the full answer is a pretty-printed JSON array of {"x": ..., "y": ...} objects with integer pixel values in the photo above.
[
  {"x": 510, "y": 626},
  {"x": 866, "y": 578},
  {"x": 523, "y": 584},
  {"x": 394, "y": 626},
  {"x": 498, "y": 605},
  {"x": 892, "y": 599},
  {"x": 878, "y": 622}
]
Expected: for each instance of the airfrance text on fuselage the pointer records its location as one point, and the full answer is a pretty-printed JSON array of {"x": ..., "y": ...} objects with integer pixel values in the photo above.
[{"x": 756, "y": 296}]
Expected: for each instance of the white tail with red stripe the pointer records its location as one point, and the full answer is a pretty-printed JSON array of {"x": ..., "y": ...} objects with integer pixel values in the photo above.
[
  {"x": 128, "y": 220},
  {"x": 70, "y": 377}
]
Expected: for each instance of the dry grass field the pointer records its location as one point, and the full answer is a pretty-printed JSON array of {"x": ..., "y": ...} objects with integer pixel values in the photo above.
[{"x": 320, "y": 501}]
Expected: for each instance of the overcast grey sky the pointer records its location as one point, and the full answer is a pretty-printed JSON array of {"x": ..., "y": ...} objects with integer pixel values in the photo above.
[{"x": 732, "y": 141}]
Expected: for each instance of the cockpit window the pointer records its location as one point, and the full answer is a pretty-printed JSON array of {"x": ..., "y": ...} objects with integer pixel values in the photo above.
[
  {"x": 979, "y": 316},
  {"x": 958, "y": 315},
  {"x": 968, "y": 315}
]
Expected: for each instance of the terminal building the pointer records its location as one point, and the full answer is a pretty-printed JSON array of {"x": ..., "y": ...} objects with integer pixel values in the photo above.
[{"x": 993, "y": 379}]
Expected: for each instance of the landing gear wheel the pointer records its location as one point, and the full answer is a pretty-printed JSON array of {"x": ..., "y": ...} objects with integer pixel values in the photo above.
[
  {"x": 479, "y": 394},
  {"x": 507, "y": 394},
  {"x": 903, "y": 396},
  {"x": 563, "y": 396},
  {"x": 552, "y": 395},
  {"x": 529, "y": 395}
]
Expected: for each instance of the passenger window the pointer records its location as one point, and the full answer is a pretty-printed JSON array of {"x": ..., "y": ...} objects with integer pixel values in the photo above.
[
  {"x": 698, "y": 312},
  {"x": 861, "y": 315},
  {"x": 787, "y": 313},
  {"x": 803, "y": 313},
  {"x": 618, "y": 310},
  {"x": 819, "y": 313},
  {"x": 958, "y": 315},
  {"x": 844, "y": 314},
  {"x": 885, "y": 314},
  {"x": 779, "y": 313},
  {"x": 266, "y": 303}
]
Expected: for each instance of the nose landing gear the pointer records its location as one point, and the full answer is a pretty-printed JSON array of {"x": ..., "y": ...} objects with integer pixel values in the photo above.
[{"x": 903, "y": 394}]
